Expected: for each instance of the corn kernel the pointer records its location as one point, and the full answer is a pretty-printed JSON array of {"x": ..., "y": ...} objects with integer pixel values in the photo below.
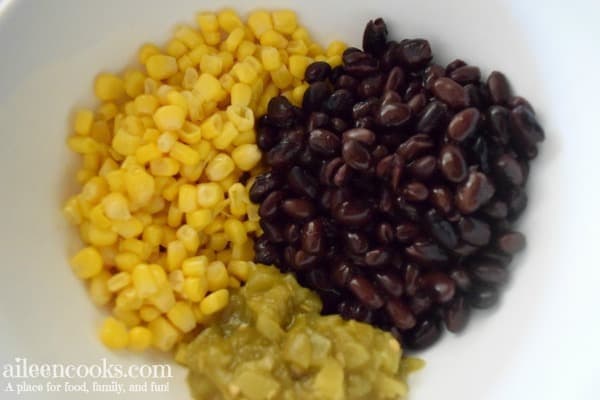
[
  {"x": 87, "y": 263},
  {"x": 174, "y": 217},
  {"x": 298, "y": 93},
  {"x": 152, "y": 235},
  {"x": 208, "y": 87},
  {"x": 259, "y": 21},
  {"x": 229, "y": 20},
  {"x": 219, "y": 167},
  {"x": 83, "y": 122},
  {"x": 188, "y": 36},
  {"x": 226, "y": 60},
  {"x": 176, "y": 280},
  {"x": 149, "y": 313},
  {"x": 233, "y": 40},
  {"x": 334, "y": 61},
  {"x": 212, "y": 127},
  {"x": 285, "y": 21},
  {"x": 164, "y": 335},
  {"x": 244, "y": 252},
  {"x": 244, "y": 72},
  {"x": 114, "y": 334},
  {"x": 164, "y": 166},
  {"x": 214, "y": 302},
  {"x": 195, "y": 266},
  {"x": 189, "y": 237},
  {"x": 246, "y": 156},
  {"x": 144, "y": 281},
  {"x": 126, "y": 261},
  {"x": 160, "y": 66},
  {"x": 226, "y": 137},
  {"x": 109, "y": 87},
  {"x": 335, "y": 48},
  {"x": 199, "y": 219},
  {"x": 187, "y": 198},
  {"x": 298, "y": 65},
  {"x": 195, "y": 288},
  {"x": 125, "y": 143},
  {"x": 82, "y": 144},
  {"x": 140, "y": 338},
  {"x": 234, "y": 229},
  {"x": 282, "y": 78},
  {"x": 163, "y": 299},
  {"x": 211, "y": 64},
  {"x": 184, "y": 154},
  {"x": 218, "y": 241},
  {"x": 169, "y": 118},
  {"x": 207, "y": 22},
  {"x": 139, "y": 186},
  {"x": 241, "y": 94},
  {"x": 176, "y": 254},
  {"x": 116, "y": 207},
  {"x": 209, "y": 194},
  {"x": 241, "y": 116},
  {"x": 274, "y": 39},
  {"x": 245, "y": 49},
  {"x": 99, "y": 292},
  {"x": 118, "y": 281},
  {"x": 182, "y": 316}
]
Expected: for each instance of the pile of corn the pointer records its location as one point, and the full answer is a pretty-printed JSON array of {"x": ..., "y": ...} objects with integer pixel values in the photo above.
[{"x": 168, "y": 159}]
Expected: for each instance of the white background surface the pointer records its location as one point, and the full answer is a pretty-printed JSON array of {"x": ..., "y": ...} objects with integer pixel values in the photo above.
[{"x": 540, "y": 343}]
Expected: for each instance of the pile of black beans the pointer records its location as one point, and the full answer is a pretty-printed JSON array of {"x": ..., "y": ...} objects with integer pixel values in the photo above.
[{"x": 392, "y": 190}]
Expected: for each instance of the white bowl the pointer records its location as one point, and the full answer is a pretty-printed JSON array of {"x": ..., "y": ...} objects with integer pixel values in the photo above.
[{"x": 540, "y": 343}]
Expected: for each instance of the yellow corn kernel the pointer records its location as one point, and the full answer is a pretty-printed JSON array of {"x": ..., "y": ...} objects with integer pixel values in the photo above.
[
  {"x": 241, "y": 116},
  {"x": 143, "y": 281},
  {"x": 169, "y": 118},
  {"x": 165, "y": 141},
  {"x": 141, "y": 249},
  {"x": 177, "y": 99},
  {"x": 152, "y": 235},
  {"x": 176, "y": 280},
  {"x": 101, "y": 237},
  {"x": 241, "y": 94},
  {"x": 99, "y": 292},
  {"x": 190, "y": 133},
  {"x": 227, "y": 81},
  {"x": 98, "y": 218},
  {"x": 176, "y": 253},
  {"x": 134, "y": 83},
  {"x": 116, "y": 207},
  {"x": 182, "y": 316},
  {"x": 274, "y": 39},
  {"x": 214, "y": 302},
  {"x": 146, "y": 51},
  {"x": 72, "y": 211},
  {"x": 224, "y": 256},
  {"x": 226, "y": 137},
  {"x": 128, "y": 229},
  {"x": 239, "y": 269},
  {"x": 130, "y": 318},
  {"x": 208, "y": 87},
  {"x": 211, "y": 64},
  {"x": 195, "y": 266},
  {"x": 246, "y": 156},
  {"x": 297, "y": 47},
  {"x": 315, "y": 49},
  {"x": 335, "y": 48},
  {"x": 156, "y": 204},
  {"x": 334, "y": 61},
  {"x": 219, "y": 167},
  {"x": 218, "y": 241},
  {"x": 259, "y": 21},
  {"x": 244, "y": 252},
  {"x": 113, "y": 334},
  {"x": 235, "y": 231},
  {"x": 125, "y": 143},
  {"x": 83, "y": 122},
  {"x": 216, "y": 276},
  {"x": 189, "y": 237},
  {"x": 164, "y": 298},
  {"x": 160, "y": 277},
  {"x": 164, "y": 335},
  {"x": 229, "y": 180},
  {"x": 83, "y": 144},
  {"x": 282, "y": 78},
  {"x": 192, "y": 172},
  {"x": 209, "y": 194},
  {"x": 199, "y": 219},
  {"x": 187, "y": 198},
  {"x": 108, "y": 87},
  {"x": 284, "y": 21},
  {"x": 94, "y": 189},
  {"x": 184, "y": 154},
  {"x": 298, "y": 93},
  {"x": 108, "y": 254},
  {"x": 175, "y": 48},
  {"x": 140, "y": 338},
  {"x": 237, "y": 199},
  {"x": 245, "y": 49},
  {"x": 301, "y": 34},
  {"x": 197, "y": 52},
  {"x": 174, "y": 216},
  {"x": 226, "y": 60},
  {"x": 244, "y": 72},
  {"x": 172, "y": 189},
  {"x": 229, "y": 20},
  {"x": 126, "y": 261},
  {"x": 188, "y": 36},
  {"x": 190, "y": 75},
  {"x": 164, "y": 166},
  {"x": 139, "y": 186},
  {"x": 298, "y": 65},
  {"x": 245, "y": 137},
  {"x": 160, "y": 66},
  {"x": 233, "y": 40},
  {"x": 118, "y": 281},
  {"x": 195, "y": 288},
  {"x": 100, "y": 132},
  {"x": 128, "y": 299},
  {"x": 207, "y": 22},
  {"x": 149, "y": 313}
]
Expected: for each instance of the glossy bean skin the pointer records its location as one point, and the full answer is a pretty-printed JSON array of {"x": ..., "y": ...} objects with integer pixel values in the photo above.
[{"x": 392, "y": 191}]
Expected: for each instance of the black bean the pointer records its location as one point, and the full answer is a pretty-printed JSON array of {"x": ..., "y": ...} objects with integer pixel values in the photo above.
[
  {"x": 342, "y": 175},
  {"x": 313, "y": 237},
  {"x": 341, "y": 273},
  {"x": 511, "y": 242},
  {"x": 353, "y": 213},
  {"x": 405, "y": 232},
  {"x": 354, "y": 310},
  {"x": 283, "y": 153},
  {"x": 281, "y": 112},
  {"x": 452, "y": 163},
  {"x": 489, "y": 273},
  {"x": 356, "y": 155},
  {"x": 415, "y": 146},
  {"x": 516, "y": 200},
  {"x": 338, "y": 125},
  {"x": 360, "y": 64},
  {"x": 315, "y": 96},
  {"x": 415, "y": 192},
  {"x": 365, "y": 292},
  {"x": 440, "y": 284},
  {"x": 426, "y": 253},
  {"x": 424, "y": 334},
  {"x": 456, "y": 315},
  {"x": 463, "y": 124},
  {"x": 364, "y": 108},
  {"x": 263, "y": 185},
  {"x": 266, "y": 135},
  {"x": 483, "y": 296},
  {"x": 384, "y": 232},
  {"x": 422, "y": 168},
  {"x": 302, "y": 183},
  {"x": 265, "y": 252},
  {"x": 432, "y": 117},
  {"x": 441, "y": 230},
  {"x": 378, "y": 257},
  {"x": 516, "y": 101},
  {"x": 450, "y": 92},
  {"x": 393, "y": 114},
  {"x": 317, "y": 71},
  {"x": 461, "y": 277},
  {"x": 432, "y": 73},
  {"x": 317, "y": 120},
  {"x": 375, "y": 37},
  {"x": 291, "y": 233},
  {"x": 509, "y": 170},
  {"x": 441, "y": 198},
  {"x": 499, "y": 88},
  {"x": 421, "y": 302},
  {"x": 496, "y": 209},
  {"x": 411, "y": 276},
  {"x": 304, "y": 260},
  {"x": 415, "y": 53},
  {"x": 400, "y": 314},
  {"x": 474, "y": 231},
  {"x": 270, "y": 204},
  {"x": 324, "y": 142},
  {"x": 371, "y": 86},
  {"x": 298, "y": 208},
  {"x": 475, "y": 192},
  {"x": 455, "y": 64},
  {"x": 527, "y": 132},
  {"x": 396, "y": 80},
  {"x": 364, "y": 136},
  {"x": 466, "y": 74},
  {"x": 498, "y": 118},
  {"x": 417, "y": 103},
  {"x": 390, "y": 282},
  {"x": 340, "y": 103}
]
